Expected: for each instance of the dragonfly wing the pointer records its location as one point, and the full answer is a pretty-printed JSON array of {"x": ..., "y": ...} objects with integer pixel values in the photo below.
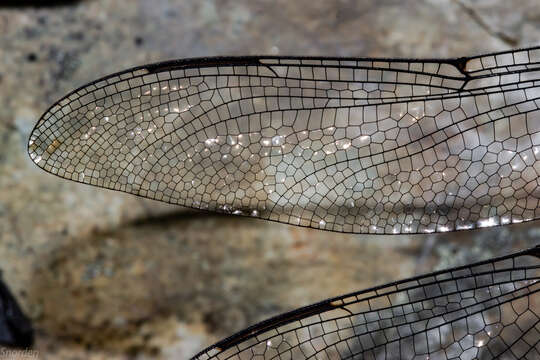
[
  {"x": 487, "y": 310},
  {"x": 349, "y": 145}
]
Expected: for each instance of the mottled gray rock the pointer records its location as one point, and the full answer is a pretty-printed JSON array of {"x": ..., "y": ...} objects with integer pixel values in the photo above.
[{"x": 111, "y": 275}]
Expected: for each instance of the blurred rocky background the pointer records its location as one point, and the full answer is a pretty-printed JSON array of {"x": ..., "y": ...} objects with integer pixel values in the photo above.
[{"x": 105, "y": 275}]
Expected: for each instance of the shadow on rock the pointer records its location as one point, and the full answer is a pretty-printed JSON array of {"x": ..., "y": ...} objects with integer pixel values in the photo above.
[
  {"x": 15, "y": 328},
  {"x": 38, "y": 3},
  {"x": 110, "y": 288}
]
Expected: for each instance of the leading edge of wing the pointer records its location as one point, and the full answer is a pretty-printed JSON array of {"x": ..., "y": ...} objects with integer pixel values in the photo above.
[{"x": 256, "y": 60}]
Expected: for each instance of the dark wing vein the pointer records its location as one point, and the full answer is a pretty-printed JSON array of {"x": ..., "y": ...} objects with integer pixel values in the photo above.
[{"x": 349, "y": 145}]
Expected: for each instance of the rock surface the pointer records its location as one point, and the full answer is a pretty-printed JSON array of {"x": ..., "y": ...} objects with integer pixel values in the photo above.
[{"x": 107, "y": 275}]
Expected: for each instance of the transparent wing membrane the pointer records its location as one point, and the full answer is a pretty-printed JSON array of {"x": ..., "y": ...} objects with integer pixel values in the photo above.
[
  {"x": 488, "y": 310},
  {"x": 349, "y": 145}
]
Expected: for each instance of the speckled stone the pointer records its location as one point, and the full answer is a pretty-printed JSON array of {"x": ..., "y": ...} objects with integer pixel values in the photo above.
[{"x": 108, "y": 275}]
